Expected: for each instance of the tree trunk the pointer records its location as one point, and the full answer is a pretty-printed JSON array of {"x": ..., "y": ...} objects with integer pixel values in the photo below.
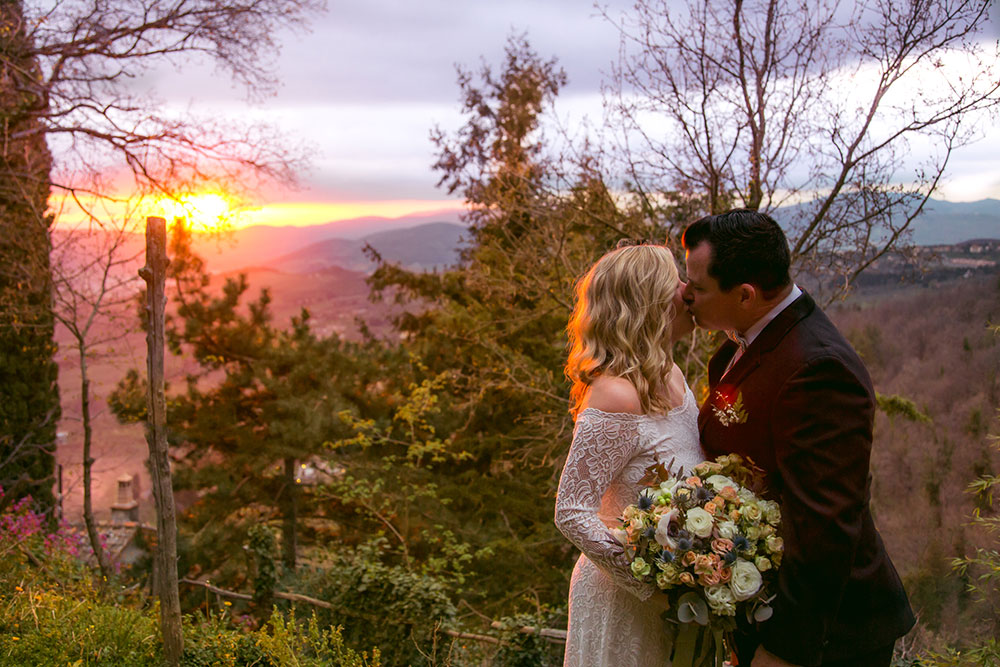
[
  {"x": 88, "y": 464},
  {"x": 154, "y": 273},
  {"x": 289, "y": 513},
  {"x": 29, "y": 394}
]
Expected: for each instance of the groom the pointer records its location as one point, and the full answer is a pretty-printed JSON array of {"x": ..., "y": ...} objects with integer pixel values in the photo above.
[{"x": 789, "y": 392}]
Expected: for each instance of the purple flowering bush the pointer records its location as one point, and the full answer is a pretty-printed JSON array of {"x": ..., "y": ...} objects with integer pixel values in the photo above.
[{"x": 52, "y": 612}]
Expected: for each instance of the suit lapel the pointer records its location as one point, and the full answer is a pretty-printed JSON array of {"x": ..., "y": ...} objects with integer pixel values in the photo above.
[
  {"x": 764, "y": 343},
  {"x": 717, "y": 364},
  {"x": 769, "y": 338}
]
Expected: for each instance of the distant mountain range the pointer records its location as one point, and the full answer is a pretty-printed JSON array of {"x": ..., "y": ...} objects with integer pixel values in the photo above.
[
  {"x": 424, "y": 242},
  {"x": 941, "y": 222},
  {"x": 263, "y": 244},
  {"x": 949, "y": 223},
  {"x": 429, "y": 246}
]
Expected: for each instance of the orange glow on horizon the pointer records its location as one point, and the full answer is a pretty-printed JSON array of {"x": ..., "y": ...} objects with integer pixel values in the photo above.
[
  {"x": 211, "y": 211},
  {"x": 304, "y": 214}
]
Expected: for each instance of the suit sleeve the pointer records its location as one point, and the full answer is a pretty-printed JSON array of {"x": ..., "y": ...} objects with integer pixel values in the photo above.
[{"x": 822, "y": 430}]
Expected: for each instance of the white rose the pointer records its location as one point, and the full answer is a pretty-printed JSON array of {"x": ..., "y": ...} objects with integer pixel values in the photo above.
[
  {"x": 775, "y": 544},
  {"x": 699, "y": 522},
  {"x": 746, "y": 580},
  {"x": 668, "y": 577},
  {"x": 727, "y": 529},
  {"x": 719, "y": 482},
  {"x": 721, "y": 600},
  {"x": 772, "y": 512},
  {"x": 762, "y": 563},
  {"x": 745, "y": 495},
  {"x": 752, "y": 511}
]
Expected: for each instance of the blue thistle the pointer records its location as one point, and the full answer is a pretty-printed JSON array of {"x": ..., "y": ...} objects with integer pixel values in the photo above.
[
  {"x": 703, "y": 495},
  {"x": 649, "y": 533},
  {"x": 645, "y": 501},
  {"x": 684, "y": 543},
  {"x": 666, "y": 556},
  {"x": 741, "y": 543},
  {"x": 729, "y": 557}
]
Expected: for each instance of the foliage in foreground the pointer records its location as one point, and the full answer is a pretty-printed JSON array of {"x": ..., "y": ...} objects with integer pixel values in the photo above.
[{"x": 55, "y": 611}]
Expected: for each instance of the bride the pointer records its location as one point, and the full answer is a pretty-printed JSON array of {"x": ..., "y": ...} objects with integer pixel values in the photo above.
[{"x": 633, "y": 409}]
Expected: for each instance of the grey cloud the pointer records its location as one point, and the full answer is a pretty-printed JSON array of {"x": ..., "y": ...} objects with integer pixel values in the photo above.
[{"x": 401, "y": 51}]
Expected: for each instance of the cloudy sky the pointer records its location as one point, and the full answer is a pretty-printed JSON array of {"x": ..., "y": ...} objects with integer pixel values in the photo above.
[{"x": 364, "y": 87}]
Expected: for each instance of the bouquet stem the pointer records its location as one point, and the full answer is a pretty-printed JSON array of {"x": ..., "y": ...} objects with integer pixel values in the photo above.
[{"x": 698, "y": 646}]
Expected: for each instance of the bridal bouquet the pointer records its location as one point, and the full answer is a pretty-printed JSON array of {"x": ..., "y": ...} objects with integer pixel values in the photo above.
[{"x": 710, "y": 542}]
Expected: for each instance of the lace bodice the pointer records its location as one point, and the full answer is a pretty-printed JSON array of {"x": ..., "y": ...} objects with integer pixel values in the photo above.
[{"x": 610, "y": 453}]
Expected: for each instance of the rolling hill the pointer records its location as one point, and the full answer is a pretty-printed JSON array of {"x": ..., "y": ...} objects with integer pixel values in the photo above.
[{"x": 424, "y": 247}]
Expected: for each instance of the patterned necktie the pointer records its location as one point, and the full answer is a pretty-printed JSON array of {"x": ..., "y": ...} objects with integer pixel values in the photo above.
[{"x": 741, "y": 343}]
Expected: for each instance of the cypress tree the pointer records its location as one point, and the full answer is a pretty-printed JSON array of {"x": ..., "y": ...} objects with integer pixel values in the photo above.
[{"x": 29, "y": 396}]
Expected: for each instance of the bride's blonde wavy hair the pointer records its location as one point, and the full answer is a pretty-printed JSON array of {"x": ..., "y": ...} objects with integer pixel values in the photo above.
[{"x": 621, "y": 324}]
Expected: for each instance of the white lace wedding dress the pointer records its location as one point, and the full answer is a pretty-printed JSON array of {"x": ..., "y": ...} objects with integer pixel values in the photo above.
[{"x": 611, "y": 622}]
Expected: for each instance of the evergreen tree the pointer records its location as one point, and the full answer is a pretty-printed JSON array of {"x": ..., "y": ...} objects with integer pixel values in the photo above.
[
  {"x": 29, "y": 396},
  {"x": 492, "y": 329},
  {"x": 262, "y": 408}
]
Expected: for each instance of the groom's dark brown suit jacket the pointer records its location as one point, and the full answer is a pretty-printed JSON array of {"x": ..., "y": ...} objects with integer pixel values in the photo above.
[{"x": 808, "y": 406}]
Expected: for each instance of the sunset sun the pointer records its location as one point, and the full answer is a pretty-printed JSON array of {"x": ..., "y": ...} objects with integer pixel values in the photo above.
[{"x": 206, "y": 212}]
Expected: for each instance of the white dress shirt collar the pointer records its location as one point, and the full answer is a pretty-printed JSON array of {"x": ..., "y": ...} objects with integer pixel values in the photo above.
[{"x": 759, "y": 325}]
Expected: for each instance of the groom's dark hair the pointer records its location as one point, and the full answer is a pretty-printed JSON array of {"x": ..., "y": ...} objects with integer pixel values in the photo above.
[{"x": 747, "y": 247}]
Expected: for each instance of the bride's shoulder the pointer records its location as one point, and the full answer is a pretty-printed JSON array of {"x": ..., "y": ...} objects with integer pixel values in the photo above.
[{"x": 613, "y": 394}]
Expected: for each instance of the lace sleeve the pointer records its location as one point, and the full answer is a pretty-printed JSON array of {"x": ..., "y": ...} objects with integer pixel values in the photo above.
[{"x": 603, "y": 444}]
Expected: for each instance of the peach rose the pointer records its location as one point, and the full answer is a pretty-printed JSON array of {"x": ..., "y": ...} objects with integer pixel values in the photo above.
[
  {"x": 709, "y": 578},
  {"x": 703, "y": 564},
  {"x": 721, "y": 545}
]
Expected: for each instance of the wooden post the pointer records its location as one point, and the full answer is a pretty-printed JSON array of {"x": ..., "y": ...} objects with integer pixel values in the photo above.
[{"x": 155, "y": 275}]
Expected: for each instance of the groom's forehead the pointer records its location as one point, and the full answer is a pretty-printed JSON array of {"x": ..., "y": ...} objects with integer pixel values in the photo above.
[{"x": 698, "y": 258}]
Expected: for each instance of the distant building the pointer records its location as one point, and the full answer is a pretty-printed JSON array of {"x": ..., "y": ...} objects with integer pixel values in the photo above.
[{"x": 124, "y": 536}]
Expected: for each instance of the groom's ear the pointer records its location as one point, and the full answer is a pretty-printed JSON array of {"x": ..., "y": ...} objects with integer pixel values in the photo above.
[{"x": 747, "y": 295}]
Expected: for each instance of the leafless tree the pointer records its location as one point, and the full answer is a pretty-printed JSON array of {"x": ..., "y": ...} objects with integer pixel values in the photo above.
[
  {"x": 815, "y": 106},
  {"x": 69, "y": 79},
  {"x": 95, "y": 281},
  {"x": 90, "y": 53}
]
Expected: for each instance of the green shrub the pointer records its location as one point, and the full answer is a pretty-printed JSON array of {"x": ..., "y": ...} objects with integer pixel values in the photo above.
[
  {"x": 212, "y": 642},
  {"x": 528, "y": 650},
  {"x": 381, "y": 604},
  {"x": 45, "y": 623},
  {"x": 54, "y": 613},
  {"x": 984, "y": 655}
]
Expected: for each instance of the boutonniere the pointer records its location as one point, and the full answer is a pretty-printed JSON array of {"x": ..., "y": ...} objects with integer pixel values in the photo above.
[{"x": 728, "y": 410}]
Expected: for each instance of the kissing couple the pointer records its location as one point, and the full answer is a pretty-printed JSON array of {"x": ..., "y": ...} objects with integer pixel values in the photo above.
[{"x": 805, "y": 413}]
